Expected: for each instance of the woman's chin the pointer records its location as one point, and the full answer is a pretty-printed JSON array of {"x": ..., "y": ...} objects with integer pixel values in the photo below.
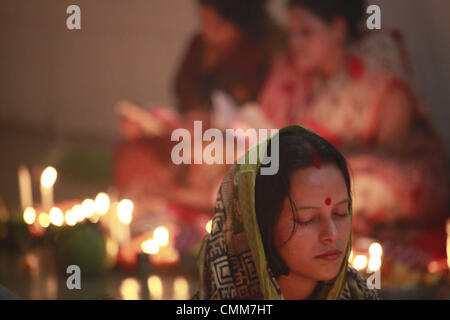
[
  {"x": 328, "y": 276},
  {"x": 327, "y": 273},
  {"x": 319, "y": 274}
]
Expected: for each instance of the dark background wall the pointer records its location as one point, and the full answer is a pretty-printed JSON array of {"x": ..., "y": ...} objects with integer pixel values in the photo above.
[{"x": 70, "y": 80}]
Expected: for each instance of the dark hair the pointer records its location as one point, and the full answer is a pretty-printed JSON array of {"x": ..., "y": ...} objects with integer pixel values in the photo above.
[
  {"x": 298, "y": 148},
  {"x": 351, "y": 10},
  {"x": 249, "y": 15}
]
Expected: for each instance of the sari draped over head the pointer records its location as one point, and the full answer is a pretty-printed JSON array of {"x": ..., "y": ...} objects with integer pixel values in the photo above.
[{"x": 232, "y": 262}]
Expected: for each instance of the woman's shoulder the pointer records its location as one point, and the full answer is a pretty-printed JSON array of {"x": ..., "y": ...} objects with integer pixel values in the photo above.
[
  {"x": 356, "y": 287},
  {"x": 384, "y": 52}
]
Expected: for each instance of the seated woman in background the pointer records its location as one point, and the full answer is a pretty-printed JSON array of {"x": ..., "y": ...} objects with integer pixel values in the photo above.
[
  {"x": 286, "y": 235},
  {"x": 354, "y": 89},
  {"x": 232, "y": 52}
]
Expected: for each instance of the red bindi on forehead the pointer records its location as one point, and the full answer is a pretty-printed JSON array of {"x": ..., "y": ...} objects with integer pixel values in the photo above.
[{"x": 328, "y": 201}]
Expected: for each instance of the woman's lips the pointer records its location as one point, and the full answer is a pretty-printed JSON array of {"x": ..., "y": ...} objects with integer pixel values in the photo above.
[{"x": 330, "y": 255}]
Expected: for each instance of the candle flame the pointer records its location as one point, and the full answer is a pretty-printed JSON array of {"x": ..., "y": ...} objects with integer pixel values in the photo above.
[
  {"x": 56, "y": 217},
  {"x": 95, "y": 217},
  {"x": 161, "y": 236},
  {"x": 375, "y": 250},
  {"x": 29, "y": 215},
  {"x": 374, "y": 264},
  {"x": 112, "y": 248},
  {"x": 48, "y": 177},
  {"x": 44, "y": 220},
  {"x": 155, "y": 287},
  {"x": 125, "y": 211},
  {"x": 181, "y": 288},
  {"x": 88, "y": 206},
  {"x": 130, "y": 289},
  {"x": 70, "y": 218},
  {"x": 78, "y": 212},
  {"x": 150, "y": 246},
  {"x": 102, "y": 203},
  {"x": 360, "y": 262}
]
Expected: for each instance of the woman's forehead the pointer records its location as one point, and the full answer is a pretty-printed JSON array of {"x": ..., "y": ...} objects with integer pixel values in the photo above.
[{"x": 318, "y": 186}]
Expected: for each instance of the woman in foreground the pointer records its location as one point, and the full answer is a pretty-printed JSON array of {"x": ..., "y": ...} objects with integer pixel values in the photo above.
[{"x": 287, "y": 235}]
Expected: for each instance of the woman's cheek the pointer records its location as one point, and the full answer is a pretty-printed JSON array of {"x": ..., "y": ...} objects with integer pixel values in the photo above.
[
  {"x": 344, "y": 227},
  {"x": 304, "y": 238},
  {"x": 281, "y": 232}
]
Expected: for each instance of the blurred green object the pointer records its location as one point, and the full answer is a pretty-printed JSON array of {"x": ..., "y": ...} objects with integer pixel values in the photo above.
[
  {"x": 83, "y": 166},
  {"x": 82, "y": 245},
  {"x": 14, "y": 235}
]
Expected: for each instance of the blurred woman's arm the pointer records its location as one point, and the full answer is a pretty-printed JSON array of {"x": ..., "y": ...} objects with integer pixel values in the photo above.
[{"x": 396, "y": 121}]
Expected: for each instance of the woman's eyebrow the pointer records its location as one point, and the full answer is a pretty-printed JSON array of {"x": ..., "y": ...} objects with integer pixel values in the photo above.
[
  {"x": 306, "y": 208},
  {"x": 343, "y": 201},
  {"x": 310, "y": 207}
]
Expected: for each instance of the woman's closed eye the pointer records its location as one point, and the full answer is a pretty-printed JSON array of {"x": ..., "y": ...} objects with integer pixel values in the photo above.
[
  {"x": 341, "y": 214},
  {"x": 305, "y": 222}
]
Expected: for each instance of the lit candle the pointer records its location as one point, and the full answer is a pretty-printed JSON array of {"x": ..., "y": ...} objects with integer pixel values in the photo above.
[
  {"x": 125, "y": 215},
  {"x": 102, "y": 203},
  {"x": 360, "y": 262},
  {"x": 155, "y": 287},
  {"x": 25, "y": 189},
  {"x": 150, "y": 246},
  {"x": 375, "y": 252},
  {"x": 48, "y": 179},
  {"x": 112, "y": 249},
  {"x": 29, "y": 215},
  {"x": 161, "y": 235},
  {"x": 44, "y": 220},
  {"x": 130, "y": 289},
  {"x": 70, "y": 218},
  {"x": 110, "y": 220},
  {"x": 88, "y": 206},
  {"x": 56, "y": 217},
  {"x": 180, "y": 288}
]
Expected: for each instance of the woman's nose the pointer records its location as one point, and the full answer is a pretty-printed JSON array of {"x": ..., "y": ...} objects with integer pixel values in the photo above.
[{"x": 328, "y": 231}]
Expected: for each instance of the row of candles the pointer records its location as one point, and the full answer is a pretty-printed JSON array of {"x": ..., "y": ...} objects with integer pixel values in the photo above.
[
  {"x": 115, "y": 216},
  {"x": 130, "y": 288},
  {"x": 360, "y": 261}
]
